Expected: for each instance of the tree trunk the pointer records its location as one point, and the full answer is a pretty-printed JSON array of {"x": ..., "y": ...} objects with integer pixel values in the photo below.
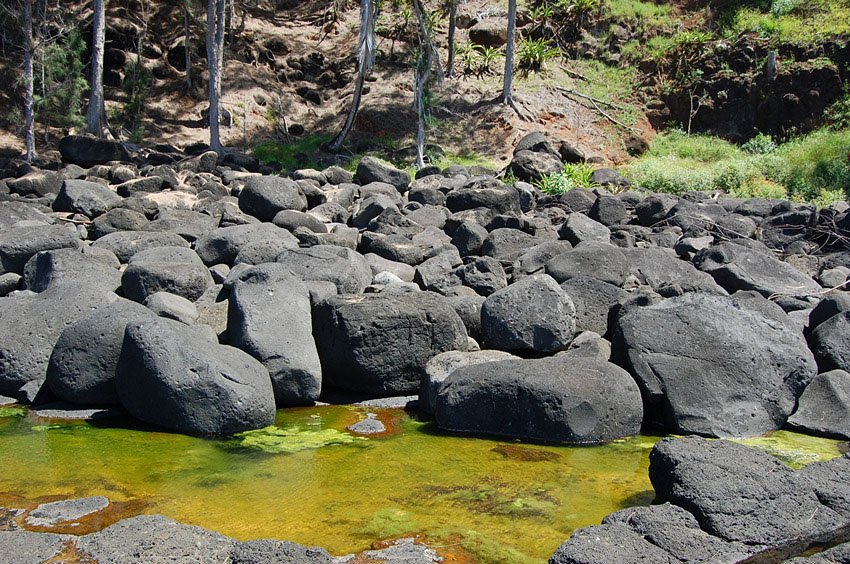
[
  {"x": 365, "y": 60},
  {"x": 450, "y": 63},
  {"x": 507, "y": 96},
  {"x": 420, "y": 80},
  {"x": 215, "y": 58},
  {"x": 29, "y": 114},
  {"x": 96, "y": 115},
  {"x": 187, "y": 47}
]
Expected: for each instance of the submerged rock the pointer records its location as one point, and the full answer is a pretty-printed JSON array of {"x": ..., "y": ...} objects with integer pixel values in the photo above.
[{"x": 49, "y": 514}]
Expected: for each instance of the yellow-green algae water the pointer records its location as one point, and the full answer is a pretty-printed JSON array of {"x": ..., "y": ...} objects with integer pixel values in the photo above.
[{"x": 310, "y": 481}]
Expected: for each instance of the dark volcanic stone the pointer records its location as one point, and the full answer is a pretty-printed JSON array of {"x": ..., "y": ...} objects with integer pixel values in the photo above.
[
  {"x": 31, "y": 325},
  {"x": 740, "y": 494},
  {"x": 594, "y": 259},
  {"x": 89, "y": 151},
  {"x": 561, "y": 399},
  {"x": 264, "y": 196},
  {"x": 222, "y": 245},
  {"x": 83, "y": 363},
  {"x": 831, "y": 343},
  {"x": 269, "y": 318},
  {"x": 88, "y": 198},
  {"x": 713, "y": 367},
  {"x": 173, "y": 376},
  {"x": 379, "y": 343},
  {"x": 20, "y": 244},
  {"x": 176, "y": 270},
  {"x": 533, "y": 314},
  {"x": 126, "y": 244},
  {"x": 347, "y": 269},
  {"x": 824, "y": 407}
]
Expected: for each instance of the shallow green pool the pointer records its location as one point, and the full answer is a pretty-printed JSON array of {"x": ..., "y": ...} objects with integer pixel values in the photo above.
[{"x": 310, "y": 481}]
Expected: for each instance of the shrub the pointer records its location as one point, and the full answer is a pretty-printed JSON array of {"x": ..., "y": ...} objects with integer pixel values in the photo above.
[{"x": 761, "y": 144}]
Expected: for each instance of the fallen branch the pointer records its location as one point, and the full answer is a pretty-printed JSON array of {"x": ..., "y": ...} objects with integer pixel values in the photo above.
[{"x": 572, "y": 92}]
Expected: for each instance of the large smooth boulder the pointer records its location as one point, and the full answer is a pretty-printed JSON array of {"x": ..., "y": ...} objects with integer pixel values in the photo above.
[
  {"x": 560, "y": 399},
  {"x": 493, "y": 195},
  {"x": 269, "y": 318},
  {"x": 579, "y": 228},
  {"x": 117, "y": 219},
  {"x": 82, "y": 365},
  {"x": 598, "y": 260},
  {"x": 88, "y": 198},
  {"x": 533, "y": 314},
  {"x": 176, "y": 270},
  {"x": 36, "y": 183},
  {"x": 736, "y": 267},
  {"x": 173, "y": 376},
  {"x": 372, "y": 169},
  {"x": 264, "y": 196},
  {"x": 20, "y": 244},
  {"x": 12, "y": 213},
  {"x": 609, "y": 544},
  {"x": 441, "y": 367},
  {"x": 713, "y": 367},
  {"x": 90, "y": 267},
  {"x": 347, "y": 269},
  {"x": 742, "y": 494},
  {"x": 659, "y": 268},
  {"x": 831, "y": 343},
  {"x": 222, "y": 245},
  {"x": 90, "y": 151},
  {"x": 379, "y": 343},
  {"x": 125, "y": 244},
  {"x": 31, "y": 325},
  {"x": 593, "y": 300},
  {"x": 824, "y": 407}
]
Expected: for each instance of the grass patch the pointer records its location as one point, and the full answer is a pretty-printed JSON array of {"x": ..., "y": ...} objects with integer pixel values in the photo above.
[
  {"x": 788, "y": 20},
  {"x": 290, "y": 155},
  {"x": 814, "y": 168},
  {"x": 616, "y": 85},
  {"x": 649, "y": 13}
]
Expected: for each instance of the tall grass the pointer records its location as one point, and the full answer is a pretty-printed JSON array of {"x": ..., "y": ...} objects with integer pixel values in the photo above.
[{"x": 814, "y": 168}]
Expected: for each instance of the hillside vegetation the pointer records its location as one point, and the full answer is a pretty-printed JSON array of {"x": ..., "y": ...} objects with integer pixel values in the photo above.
[{"x": 604, "y": 75}]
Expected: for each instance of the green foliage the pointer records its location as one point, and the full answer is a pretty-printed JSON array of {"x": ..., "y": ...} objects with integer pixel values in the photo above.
[
  {"x": 533, "y": 54},
  {"x": 786, "y": 20},
  {"x": 578, "y": 175},
  {"x": 136, "y": 86},
  {"x": 814, "y": 168},
  {"x": 290, "y": 155},
  {"x": 837, "y": 116},
  {"x": 477, "y": 59},
  {"x": 60, "y": 85},
  {"x": 761, "y": 144}
]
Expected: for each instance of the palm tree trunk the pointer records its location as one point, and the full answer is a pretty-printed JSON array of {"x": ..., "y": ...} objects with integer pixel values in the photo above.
[
  {"x": 187, "y": 47},
  {"x": 365, "y": 61},
  {"x": 29, "y": 113},
  {"x": 215, "y": 59},
  {"x": 96, "y": 114},
  {"x": 507, "y": 91},
  {"x": 450, "y": 63}
]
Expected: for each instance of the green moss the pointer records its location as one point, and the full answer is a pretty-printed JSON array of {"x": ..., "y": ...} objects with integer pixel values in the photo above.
[
  {"x": 274, "y": 440},
  {"x": 793, "y": 449},
  {"x": 12, "y": 411},
  {"x": 390, "y": 523},
  {"x": 785, "y": 21}
]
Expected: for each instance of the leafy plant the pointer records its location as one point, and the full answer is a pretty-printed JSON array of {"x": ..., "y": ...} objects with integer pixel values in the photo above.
[
  {"x": 761, "y": 144},
  {"x": 533, "y": 54},
  {"x": 579, "y": 175}
]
